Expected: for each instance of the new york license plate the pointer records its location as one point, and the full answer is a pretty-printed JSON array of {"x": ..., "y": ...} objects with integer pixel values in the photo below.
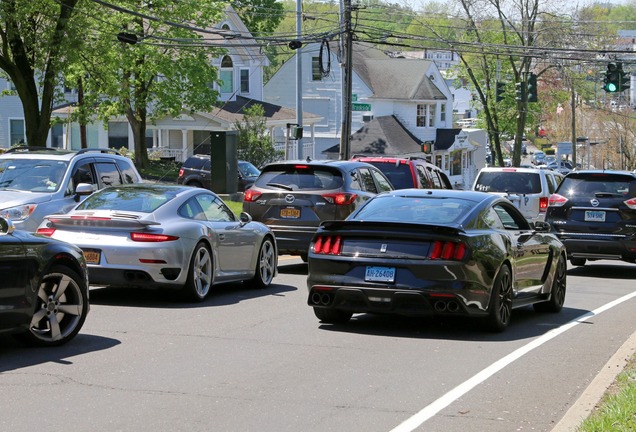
[
  {"x": 379, "y": 274},
  {"x": 92, "y": 256},
  {"x": 290, "y": 213}
]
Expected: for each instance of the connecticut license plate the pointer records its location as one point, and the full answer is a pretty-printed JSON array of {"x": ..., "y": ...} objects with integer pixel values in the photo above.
[
  {"x": 594, "y": 216},
  {"x": 290, "y": 213},
  {"x": 380, "y": 274},
  {"x": 92, "y": 256}
]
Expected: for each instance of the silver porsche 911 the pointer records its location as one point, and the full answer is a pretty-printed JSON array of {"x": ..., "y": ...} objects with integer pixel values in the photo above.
[{"x": 165, "y": 236}]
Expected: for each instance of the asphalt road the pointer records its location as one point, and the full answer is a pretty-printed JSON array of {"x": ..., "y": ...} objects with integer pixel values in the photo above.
[{"x": 258, "y": 360}]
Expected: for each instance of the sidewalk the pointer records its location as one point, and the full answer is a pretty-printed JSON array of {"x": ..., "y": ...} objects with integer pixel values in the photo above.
[{"x": 584, "y": 406}]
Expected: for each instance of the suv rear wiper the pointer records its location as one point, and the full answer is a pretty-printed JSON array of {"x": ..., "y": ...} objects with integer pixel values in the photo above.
[{"x": 281, "y": 186}]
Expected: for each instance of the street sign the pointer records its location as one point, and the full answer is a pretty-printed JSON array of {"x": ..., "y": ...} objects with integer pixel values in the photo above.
[
  {"x": 564, "y": 148},
  {"x": 360, "y": 107}
]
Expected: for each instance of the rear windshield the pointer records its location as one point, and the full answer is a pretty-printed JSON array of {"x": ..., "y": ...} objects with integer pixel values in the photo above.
[
  {"x": 194, "y": 163},
  {"x": 509, "y": 181},
  {"x": 602, "y": 183},
  {"x": 144, "y": 200},
  {"x": 429, "y": 210},
  {"x": 300, "y": 178},
  {"x": 400, "y": 176}
]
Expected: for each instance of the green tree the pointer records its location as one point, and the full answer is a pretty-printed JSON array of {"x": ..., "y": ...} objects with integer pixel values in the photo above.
[
  {"x": 38, "y": 37},
  {"x": 255, "y": 144},
  {"x": 163, "y": 69}
]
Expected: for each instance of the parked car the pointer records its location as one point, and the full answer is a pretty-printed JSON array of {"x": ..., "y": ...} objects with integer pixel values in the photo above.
[
  {"x": 196, "y": 171},
  {"x": 564, "y": 167},
  {"x": 294, "y": 197},
  {"x": 43, "y": 288},
  {"x": 404, "y": 173},
  {"x": 440, "y": 252},
  {"x": 166, "y": 236},
  {"x": 528, "y": 188},
  {"x": 37, "y": 181},
  {"x": 593, "y": 212},
  {"x": 538, "y": 157}
]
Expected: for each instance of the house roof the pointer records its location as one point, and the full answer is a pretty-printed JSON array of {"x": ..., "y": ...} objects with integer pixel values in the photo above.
[
  {"x": 383, "y": 136},
  {"x": 400, "y": 78},
  {"x": 232, "y": 111},
  {"x": 445, "y": 138}
]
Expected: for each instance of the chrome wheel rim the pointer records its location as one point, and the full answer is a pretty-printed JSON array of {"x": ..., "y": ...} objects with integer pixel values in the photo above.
[
  {"x": 202, "y": 271},
  {"x": 267, "y": 262},
  {"x": 59, "y": 310},
  {"x": 505, "y": 298}
]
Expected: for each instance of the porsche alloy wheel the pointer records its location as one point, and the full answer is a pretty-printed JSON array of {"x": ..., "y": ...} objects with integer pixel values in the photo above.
[
  {"x": 266, "y": 264},
  {"x": 61, "y": 308},
  {"x": 500, "y": 308},
  {"x": 199, "y": 280}
]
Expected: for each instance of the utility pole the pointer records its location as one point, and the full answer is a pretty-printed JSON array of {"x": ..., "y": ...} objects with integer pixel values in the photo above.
[
  {"x": 347, "y": 67},
  {"x": 299, "y": 83}
]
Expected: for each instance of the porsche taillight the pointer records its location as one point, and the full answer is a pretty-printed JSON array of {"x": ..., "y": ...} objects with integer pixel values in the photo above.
[
  {"x": 151, "y": 237},
  {"x": 328, "y": 245},
  {"x": 447, "y": 250}
]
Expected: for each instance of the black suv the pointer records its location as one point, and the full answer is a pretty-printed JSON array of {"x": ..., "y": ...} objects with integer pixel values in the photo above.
[
  {"x": 410, "y": 172},
  {"x": 294, "y": 197},
  {"x": 196, "y": 171},
  {"x": 594, "y": 214}
]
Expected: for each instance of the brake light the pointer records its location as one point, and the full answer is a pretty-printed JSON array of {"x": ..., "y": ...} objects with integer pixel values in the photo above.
[
  {"x": 151, "y": 238},
  {"x": 557, "y": 200},
  {"x": 328, "y": 245},
  {"x": 340, "y": 198},
  {"x": 251, "y": 195},
  {"x": 45, "y": 231},
  {"x": 301, "y": 166},
  {"x": 181, "y": 172},
  {"x": 543, "y": 204},
  {"x": 631, "y": 203},
  {"x": 447, "y": 250}
]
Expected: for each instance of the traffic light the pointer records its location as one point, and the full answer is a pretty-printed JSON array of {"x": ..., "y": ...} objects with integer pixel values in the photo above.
[
  {"x": 612, "y": 78},
  {"x": 624, "y": 78},
  {"x": 500, "y": 89},
  {"x": 295, "y": 44},
  {"x": 520, "y": 91},
  {"x": 532, "y": 88}
]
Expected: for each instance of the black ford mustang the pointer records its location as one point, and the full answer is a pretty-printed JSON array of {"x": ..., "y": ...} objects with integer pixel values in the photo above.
[
  {"x": 43, "y": 287},
  {"x": 422, "y": 252}
]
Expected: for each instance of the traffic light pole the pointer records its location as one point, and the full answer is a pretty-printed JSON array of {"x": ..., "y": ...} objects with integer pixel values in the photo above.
[{"x": 347, "y": 67}]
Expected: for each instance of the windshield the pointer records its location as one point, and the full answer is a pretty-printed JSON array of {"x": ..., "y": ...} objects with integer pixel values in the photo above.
[
  {"x": 398, "y": 174},
  {"x": 32, "y": 175},
  {"x": 509, "y": 181}
]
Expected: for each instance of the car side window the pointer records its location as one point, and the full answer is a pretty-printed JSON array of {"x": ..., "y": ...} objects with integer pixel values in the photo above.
[
  {"x": 127, "y": 171},
  {"x": 507, "y": 219},
  {"x": 424, "y": 177},
  {"x": 552, "y": 184},
  {"x": 192, "y": 210},
  {"x": 383, "y": 184},
  {"x": 214, "y": 209},
  {"x": 107, "y": 174},
  {"x": 82, "y": 173},
  {"x": 367, "y": 180},
  {"x": 437, "y": 184},
  {"x": 492, "y": 219}
]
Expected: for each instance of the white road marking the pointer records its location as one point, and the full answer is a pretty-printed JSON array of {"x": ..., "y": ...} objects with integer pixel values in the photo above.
[{"x": 429, "y": 411}]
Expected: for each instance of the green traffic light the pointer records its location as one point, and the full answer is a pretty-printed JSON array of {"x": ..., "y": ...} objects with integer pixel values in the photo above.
[{"x": 611, "y": 87}]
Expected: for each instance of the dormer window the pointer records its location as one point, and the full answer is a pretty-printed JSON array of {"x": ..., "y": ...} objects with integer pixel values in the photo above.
[{"x": 227, "y": 75}]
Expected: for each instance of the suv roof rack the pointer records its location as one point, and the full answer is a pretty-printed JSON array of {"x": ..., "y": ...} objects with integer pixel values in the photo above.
[
  {"x": 25, "y": 148},
  {"x": 99, "y": 150}
]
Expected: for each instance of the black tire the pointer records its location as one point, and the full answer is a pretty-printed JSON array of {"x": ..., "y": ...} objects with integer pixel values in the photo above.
[
  {"x": 332, "y": 316},
  {"x": 200, "y": 274},
  {"x": 304, "y": 257},
  {"x": 265, "y": 264},
  {"x": 557, "y": 292},
  {"x": 578, "y": 261},
  {"x": 195, "y": 184},
  {"x": 61, "y": 309},
  {"x": 500, "y": 307}
]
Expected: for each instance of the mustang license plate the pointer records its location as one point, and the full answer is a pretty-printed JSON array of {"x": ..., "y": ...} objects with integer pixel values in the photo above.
[
  {"x": 380, "y": 274},
  {"x": 594, "y": 216},
  {"x": 92, "y": 256},
  {"x": 290, "y": 213}
]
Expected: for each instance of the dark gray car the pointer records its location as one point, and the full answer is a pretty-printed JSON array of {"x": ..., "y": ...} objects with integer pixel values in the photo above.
[{"x": 294, "y": 197}]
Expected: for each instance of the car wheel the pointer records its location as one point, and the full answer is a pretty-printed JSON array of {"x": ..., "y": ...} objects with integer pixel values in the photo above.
[
  {"x": 557, "y": 294},
  {"x": 61, "y": 308},
  {"x": 266, "y": 264},
  {"x": 578, "y": 261},
  {"x": 500, "y": 307},
  {"x": 195, "y": 184},
  {"x": 199, "y": 279},
  {"x": 332, "y": 316}
]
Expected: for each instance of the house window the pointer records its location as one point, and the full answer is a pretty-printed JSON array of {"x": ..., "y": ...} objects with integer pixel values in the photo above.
[
  {"x": 456, "y": 163},
  {"x": 226, "y": 75},
  {"x": 245, "y": 80},
  {"x": 16, "y": 131},
  {"x": 442, "y": 113},
  {"x": 316, "y": 75},
  {"x": 420, "y": 119},
  {"x": 431, "y": 116}
]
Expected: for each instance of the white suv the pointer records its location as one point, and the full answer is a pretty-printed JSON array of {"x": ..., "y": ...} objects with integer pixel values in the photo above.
[
  {"x": 38, "y": 181},
  {"x": 528, "y": 188}
]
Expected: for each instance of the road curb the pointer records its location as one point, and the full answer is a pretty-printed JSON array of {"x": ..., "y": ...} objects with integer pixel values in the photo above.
[{"x": 583, "y": 407}]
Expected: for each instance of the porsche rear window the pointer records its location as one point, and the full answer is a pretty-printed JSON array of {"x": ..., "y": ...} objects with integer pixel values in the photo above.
[
  {"x": 509, "y": 181},
  {"x": 126, "y": 199}
]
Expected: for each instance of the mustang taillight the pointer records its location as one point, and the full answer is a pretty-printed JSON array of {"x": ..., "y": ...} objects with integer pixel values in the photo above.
[
  {"x": 45, "y": 231},
  {"x": 557, "y": 200},
  {"x": 328, "y": 245},
  {"x": 631, "y": 203},
  {"x": 340, "y": 198},
  {"x": 149, "y": 237},
  {"x": 251, "y": 195},
  {"x": 543, "y": 204},
  {"x": 447, "y": 250}
]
